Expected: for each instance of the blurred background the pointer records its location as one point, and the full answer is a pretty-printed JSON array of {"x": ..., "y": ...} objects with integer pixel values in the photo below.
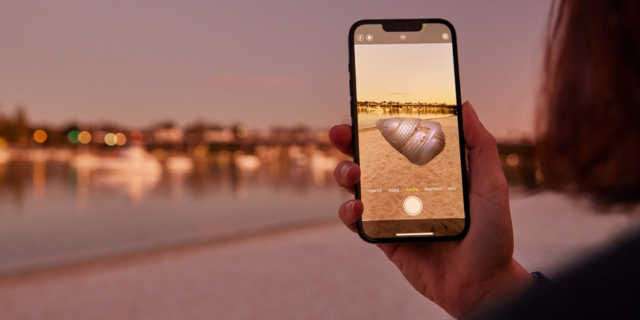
[{"x": 170, "y": 160}]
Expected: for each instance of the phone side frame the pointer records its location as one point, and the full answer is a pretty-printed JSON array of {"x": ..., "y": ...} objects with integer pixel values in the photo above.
[{"x": 354, "y": 131}]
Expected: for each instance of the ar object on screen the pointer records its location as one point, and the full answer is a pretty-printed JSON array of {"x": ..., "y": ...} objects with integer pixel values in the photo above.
[{"x": 419, "y": 140}]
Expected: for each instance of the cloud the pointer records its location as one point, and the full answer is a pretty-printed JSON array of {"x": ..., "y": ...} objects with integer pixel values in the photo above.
[{"x": 251, "y": 81}]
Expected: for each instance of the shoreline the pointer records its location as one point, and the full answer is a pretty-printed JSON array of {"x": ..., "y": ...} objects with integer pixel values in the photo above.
[
  {"x": 368, "y": 126},
  {"x": 131, "y": 254}
]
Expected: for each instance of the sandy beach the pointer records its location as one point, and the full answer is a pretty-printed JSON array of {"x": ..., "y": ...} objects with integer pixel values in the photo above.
[
  {"x": 318, "y": 272},
  {"x": 385, "y": 168}
]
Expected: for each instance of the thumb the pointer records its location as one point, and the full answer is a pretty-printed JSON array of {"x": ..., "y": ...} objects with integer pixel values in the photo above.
[
  {"x": 485, "y": 170},
  {"x": 475, "y": 134}
]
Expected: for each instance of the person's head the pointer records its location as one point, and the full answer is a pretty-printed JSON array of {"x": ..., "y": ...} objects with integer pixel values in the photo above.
[{"x": 589, "y": 124}]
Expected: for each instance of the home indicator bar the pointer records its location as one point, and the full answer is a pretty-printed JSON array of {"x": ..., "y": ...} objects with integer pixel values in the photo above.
[{"x": 415, "y": 234}]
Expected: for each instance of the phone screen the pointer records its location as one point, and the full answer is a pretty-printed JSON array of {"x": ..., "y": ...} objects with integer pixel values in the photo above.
[{"x": 408, "y": 137}]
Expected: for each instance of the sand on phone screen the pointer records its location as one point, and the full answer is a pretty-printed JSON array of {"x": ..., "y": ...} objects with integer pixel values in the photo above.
[
  {"x": 388, "y": 178},
  {"x": 412, "y": 80}
]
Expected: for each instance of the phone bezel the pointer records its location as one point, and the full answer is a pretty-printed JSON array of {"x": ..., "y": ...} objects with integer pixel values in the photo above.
[{"x": 409, "y": 23}]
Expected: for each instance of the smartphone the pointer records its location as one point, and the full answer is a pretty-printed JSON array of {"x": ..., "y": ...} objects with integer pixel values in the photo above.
[{"x": 407, "y": 130}]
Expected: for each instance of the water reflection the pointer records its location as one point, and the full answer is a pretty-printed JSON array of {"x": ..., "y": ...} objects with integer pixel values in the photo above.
[
  {"x": 136, "y": 172},
  {"x": 57, "y": 207}
]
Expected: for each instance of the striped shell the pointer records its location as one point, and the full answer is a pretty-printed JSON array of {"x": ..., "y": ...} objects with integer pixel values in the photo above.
[{"x": 417, "y": 139}]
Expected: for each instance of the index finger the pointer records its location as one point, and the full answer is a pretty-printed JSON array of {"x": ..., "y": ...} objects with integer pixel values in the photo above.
[{"x": 341, "y": 138}]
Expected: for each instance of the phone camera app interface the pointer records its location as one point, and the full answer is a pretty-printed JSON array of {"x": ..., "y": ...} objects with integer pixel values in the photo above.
[{"x": 408, "y": 125}]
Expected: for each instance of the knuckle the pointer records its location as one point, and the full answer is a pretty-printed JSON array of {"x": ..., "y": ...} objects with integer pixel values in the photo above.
[{"x": 336, "y": 171}]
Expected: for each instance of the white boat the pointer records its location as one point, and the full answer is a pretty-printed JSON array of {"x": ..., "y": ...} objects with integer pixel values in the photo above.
[
  {"x": 179, "y": 164},
  {"x": 247, "y": 162},
  {"x": 322, "y": 163},
  {"x": 134, "y": 170},
  {"x": 132, "y": 160},
  {"x": 5, "y": 155}
]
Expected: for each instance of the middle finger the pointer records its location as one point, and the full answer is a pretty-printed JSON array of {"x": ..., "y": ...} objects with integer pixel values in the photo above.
[{"x": 347, "y": 174}]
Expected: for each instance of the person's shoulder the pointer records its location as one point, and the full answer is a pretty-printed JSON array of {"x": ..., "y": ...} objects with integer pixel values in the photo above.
[{"x": 604, "y": 287}]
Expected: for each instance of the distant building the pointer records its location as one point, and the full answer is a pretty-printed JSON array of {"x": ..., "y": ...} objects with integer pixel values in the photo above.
[
  {"x": 168, "y": 133},
  {"x": 218, "y": 135}
]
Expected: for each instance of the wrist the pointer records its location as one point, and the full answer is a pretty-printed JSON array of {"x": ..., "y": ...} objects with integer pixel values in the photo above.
[{"x": 512, "y": 281}]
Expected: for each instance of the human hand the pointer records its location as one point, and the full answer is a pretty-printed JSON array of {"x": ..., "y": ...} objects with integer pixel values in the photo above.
[{"x": 459, "y": 276}]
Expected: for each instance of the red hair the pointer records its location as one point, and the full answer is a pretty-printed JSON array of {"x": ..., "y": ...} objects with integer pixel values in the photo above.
[{"x": 589, "y": 118}]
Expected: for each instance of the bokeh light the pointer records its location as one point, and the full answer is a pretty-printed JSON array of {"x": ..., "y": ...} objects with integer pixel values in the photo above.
[
  {"x": 73, "y": 136},
  {"x": 136, "y": 136},
  {"x": 200, "y": 152},
  {"x": 238, "y": 154},
  {"x": 84, "y": 137},
  {"x": 121, "y": 139},
  {"x": 110, "y": 139},
  {"x": 39, "y": 136},
  {"x": 241, "y": 132},
  {"x": 3, "y": 143},
  {"x": 513, "y": 159}
]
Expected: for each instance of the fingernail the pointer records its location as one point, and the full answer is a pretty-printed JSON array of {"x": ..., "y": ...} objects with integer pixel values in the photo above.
[
  {"x": 344, "y": 170},
  {"x": 349, "y": 206}
]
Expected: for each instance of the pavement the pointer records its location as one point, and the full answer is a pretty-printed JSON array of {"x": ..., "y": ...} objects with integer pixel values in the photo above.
[{"x": 317, "y": 272}]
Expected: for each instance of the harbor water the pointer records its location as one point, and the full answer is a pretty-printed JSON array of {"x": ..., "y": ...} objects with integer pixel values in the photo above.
[{"x": 54, "y": 213}]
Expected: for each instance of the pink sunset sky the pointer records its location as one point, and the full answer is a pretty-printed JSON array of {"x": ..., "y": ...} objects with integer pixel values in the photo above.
[
  {"x": 260, "y": 63},
  {"x": 405, "y": 73}
]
